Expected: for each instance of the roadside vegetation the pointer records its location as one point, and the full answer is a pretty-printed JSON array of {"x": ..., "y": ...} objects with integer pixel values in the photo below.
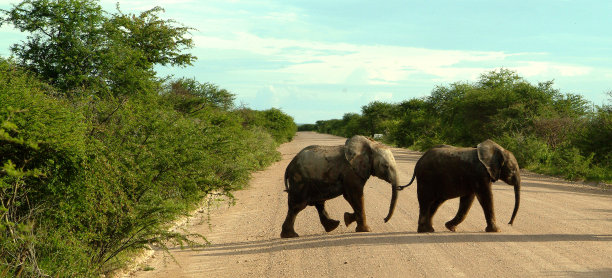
[
  {"x": 548, "y": 131},
  {"x": 98, "y": 155}
]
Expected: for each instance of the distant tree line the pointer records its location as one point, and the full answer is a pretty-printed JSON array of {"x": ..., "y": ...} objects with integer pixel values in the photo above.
[
  {"x": 98, "y": 155},
  {"x": 548, "y": 131}
]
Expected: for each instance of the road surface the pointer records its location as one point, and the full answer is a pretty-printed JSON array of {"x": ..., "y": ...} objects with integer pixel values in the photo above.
[{"x": 562, "y": 229}]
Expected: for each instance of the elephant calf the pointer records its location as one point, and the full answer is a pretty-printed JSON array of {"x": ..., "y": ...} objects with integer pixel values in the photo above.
[
  {"x": 320, "y": 173},
  {"x": 446, "y": 172}
]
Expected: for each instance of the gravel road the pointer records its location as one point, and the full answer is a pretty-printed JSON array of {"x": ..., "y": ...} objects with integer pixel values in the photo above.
[{"x": 562, "y": 229}]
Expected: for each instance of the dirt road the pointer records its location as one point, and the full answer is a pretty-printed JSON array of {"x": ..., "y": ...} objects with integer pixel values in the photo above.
[{"x": 561, "y": 230}]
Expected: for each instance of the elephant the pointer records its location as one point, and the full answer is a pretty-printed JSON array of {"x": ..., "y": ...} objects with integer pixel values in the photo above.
[
  {"x": 319, "y": 173},
  {"x": 445, "y": 172}
]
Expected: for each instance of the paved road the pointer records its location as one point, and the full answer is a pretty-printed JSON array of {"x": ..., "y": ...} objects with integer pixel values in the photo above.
[{"x": 562, "y": 230}]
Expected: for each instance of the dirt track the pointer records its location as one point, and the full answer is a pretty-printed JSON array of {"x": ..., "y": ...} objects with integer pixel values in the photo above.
[{"x": 561, "y": 230}]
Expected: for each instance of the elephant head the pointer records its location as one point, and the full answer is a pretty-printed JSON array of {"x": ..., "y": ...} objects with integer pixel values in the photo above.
[
  {"x": 501, "y": 164},
  {"x": 370, "y": 158}
]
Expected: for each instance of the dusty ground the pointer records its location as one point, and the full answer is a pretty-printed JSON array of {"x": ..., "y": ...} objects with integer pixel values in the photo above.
[{"x": 561, "y": 230}]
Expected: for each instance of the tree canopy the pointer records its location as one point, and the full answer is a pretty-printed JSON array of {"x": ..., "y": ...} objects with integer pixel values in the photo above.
[{"x": 77, "y": 47}]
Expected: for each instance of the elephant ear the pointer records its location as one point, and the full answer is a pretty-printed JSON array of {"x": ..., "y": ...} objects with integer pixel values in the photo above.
[
  {"x": 491, "y": 156},
  {"x": 358, "y": 152}
]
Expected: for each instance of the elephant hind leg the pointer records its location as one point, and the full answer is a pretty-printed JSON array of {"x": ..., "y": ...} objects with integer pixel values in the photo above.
[
  {"x": 425, "y": 217},
  {"x": 288, "y": 230},
  {"x": 328, "y": 223},
  {"x": 434, "y": 207},
  {"x": 425, "y": 225},
  {"x": 465, "y": 203},
  {"x": 349, "y": 218}
]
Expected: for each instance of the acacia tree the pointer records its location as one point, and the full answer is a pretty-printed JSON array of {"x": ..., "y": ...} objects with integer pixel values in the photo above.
[
  {"x": 189, "y": 96},
  {"x": 76, "y": 46}
]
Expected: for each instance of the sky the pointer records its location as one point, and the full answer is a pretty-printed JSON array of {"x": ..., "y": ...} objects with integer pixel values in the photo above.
[{"x": 319, "y": 59}]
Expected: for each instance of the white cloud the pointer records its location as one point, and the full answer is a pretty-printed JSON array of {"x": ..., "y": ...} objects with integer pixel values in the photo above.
[{"x": 359, "y": 64}]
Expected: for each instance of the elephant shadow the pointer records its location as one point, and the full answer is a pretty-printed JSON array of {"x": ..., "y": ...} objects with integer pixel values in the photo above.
[{"x": 390, "y": 238}]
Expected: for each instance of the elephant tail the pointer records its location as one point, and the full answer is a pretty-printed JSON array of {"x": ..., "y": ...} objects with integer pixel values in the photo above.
[
  {"x": 404, "y": 186},
  {"x": 286, "y": 179}
]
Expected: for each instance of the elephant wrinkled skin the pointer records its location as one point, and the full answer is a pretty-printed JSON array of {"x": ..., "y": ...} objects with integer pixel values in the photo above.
[
  {"x": 320, "y": 173},
  {"x": 445, "y": 172}
]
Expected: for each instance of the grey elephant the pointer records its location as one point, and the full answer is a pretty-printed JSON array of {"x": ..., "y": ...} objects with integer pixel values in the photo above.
[
  {"x": 445, "y": 172},
  {"x": 319, "y": 173}
]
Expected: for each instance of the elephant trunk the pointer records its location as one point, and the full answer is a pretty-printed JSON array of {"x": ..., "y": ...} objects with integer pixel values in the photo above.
[
  {"x": 517, "y": 198},
  {"x": 395, "y": 189}
]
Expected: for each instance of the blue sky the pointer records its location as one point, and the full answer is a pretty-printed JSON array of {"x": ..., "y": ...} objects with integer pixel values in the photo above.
[{"x": 317, "y": 60}]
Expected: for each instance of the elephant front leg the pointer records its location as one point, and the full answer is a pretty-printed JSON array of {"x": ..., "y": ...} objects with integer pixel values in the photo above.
[
  {"x": 464, "y": 206},
  {"x": 485, "y": 198},
  {"x": 356, "y": 202},
  {"x": 288, "y": 230},
  {"x": 328, "y": 223}
]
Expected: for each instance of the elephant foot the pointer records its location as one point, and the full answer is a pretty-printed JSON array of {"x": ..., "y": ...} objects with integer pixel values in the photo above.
[
  {"x": 349, "y": 218},
  {"x": 331, "y": 225},
  {"x": 425, "y": 229},
  {"x": 450, "y": 226},
  {"x": 362, "y": 228},
  {"x": 288, "y": 234},
  {"x": 492, "y": 229}
]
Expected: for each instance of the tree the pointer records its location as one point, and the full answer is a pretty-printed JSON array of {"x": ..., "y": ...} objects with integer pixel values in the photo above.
[
  {"x": 353, "y": 125},
  {"x": 412, "y": 122},
  {"x": 374, "y": 114},
  {"x": 160, "y": 41},
  {"x": 596, "y": 136},
  {"x": 75, "y": 46},
  {"x": 65, "y": 37},
  {"x": 280, "y": 125},
  {"x": 189, "y": 96}
]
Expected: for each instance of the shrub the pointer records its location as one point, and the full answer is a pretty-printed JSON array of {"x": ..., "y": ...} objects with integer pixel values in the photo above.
[
  {"x": 42, "y": 149},
  {"x": 280, "y": 125},
  {"x": 545, "y": 129},
  {"x": 596, "y": 136},
  {"x": 528, "y": 149},
  {"x": 83, "y": 181},
  {"x": 307, "y": 127},
  {"x": 567, "y": 161}
]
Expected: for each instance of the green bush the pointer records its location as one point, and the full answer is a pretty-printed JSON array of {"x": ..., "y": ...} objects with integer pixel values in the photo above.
[
  {"x": 280, "y": 125},
  {"x": 307, "y": 127},
  {"x": 42, "y": 152},
  {"x": 101, "y": 161},
  {"x": 86, "y": 179},
  {"x": 166, "y": 161},
  {"x": 596, "y": 135},
  {"x": 566, "y": 161},
  {"x": 528, "y": 149},
  {"x": 547, "y": 131}
]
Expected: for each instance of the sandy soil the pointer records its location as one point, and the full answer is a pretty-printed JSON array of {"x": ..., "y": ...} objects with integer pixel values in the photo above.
[{"x": 562, "y": 230}]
